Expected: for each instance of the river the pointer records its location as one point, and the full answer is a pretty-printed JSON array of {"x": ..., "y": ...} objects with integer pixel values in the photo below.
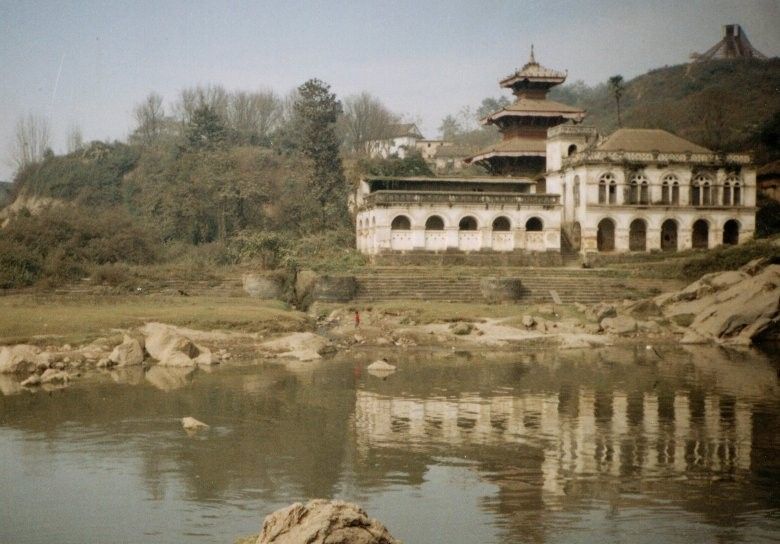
[{"x": 626, "y": 444}]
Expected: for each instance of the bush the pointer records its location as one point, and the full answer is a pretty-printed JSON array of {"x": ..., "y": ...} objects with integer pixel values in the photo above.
[
  {"x": 767, "y": 217},
  {"x": 64, "y": 243},
  {"x": 270, "y": 249}
]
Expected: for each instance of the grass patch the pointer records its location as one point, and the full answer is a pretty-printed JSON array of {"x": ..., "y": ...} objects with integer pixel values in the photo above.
[{"x": 78, "y": 319}]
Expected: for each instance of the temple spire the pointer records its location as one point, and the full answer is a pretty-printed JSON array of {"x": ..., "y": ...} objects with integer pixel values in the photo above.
[{"x": 532, "y": 60}]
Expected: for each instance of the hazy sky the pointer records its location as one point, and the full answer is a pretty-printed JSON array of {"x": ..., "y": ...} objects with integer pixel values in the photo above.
[{"x": 89, "y": 63}]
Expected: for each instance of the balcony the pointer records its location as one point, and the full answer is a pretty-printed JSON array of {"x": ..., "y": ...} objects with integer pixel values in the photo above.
[
  {"x": 406, "y": 198},
  {"x": 617, "y": 157}
]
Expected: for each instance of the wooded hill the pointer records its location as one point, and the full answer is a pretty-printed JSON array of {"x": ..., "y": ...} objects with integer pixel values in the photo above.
[{"x": 726, "y": 105}]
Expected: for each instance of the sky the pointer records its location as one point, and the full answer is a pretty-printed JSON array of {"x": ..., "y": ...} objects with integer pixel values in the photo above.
[{"x": 88, "y": 63}]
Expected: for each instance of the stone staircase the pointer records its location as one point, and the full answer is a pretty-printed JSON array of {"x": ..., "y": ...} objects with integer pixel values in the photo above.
[{"x": 463, "y": 285}]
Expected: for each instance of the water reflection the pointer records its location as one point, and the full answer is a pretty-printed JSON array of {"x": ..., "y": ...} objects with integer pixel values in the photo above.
[{"x": 462, "y": 447}]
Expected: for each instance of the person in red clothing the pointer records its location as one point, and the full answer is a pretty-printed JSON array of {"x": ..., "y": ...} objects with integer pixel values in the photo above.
[{"x": 357, "y": 319}]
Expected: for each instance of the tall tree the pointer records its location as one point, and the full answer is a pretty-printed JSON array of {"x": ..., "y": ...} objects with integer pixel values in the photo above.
[
  {"x": 253, "y": 116},
  {"x": 316, "y": 112},
  {"x": 617, "y": 89},
  {"x": 205, "y": 129},
  {"x": 365, "y": 119},
  {"x": 450, "y": 128},
  {"x": 149, "y": 117},
  {"x": 31, "y": 141},
  {"x": 75, "y": 139}
]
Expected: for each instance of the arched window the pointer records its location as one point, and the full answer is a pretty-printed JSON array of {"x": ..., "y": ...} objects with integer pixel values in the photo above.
[
  {"x": 572, "y": 150},
  {"x": 434, "y": 222},
  {"x": 732, "y": 191},
  {"x": 501, "y": 224},
  {"x": 467, "y": 223},
  {"x": 534, "y": 224},
  {"x": 607, "y": 188},
  {"x": 401, "y": 222},
  {"x": 701, "y": 191},
  {"x": 576, "y": 191},
  {"x": 638, "y": 189}
]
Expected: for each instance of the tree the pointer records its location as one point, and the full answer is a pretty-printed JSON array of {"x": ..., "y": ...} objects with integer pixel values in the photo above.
[
  {"x": 315, "y": 113},
  {"x": 214, "y": 96},
  {"x": 253, "y": 116},
  {"x": 150, "y": 118},
  {"x": 75, "y": 139},
  {"x": 491, "y": 105},
  {"x": 450, "y": 128},
  {"x": 205, "y": 129},
  {"x": 617, "y": 89},
  {"x": 31, "y": 140},
  {"x": 365, "y": 119}
]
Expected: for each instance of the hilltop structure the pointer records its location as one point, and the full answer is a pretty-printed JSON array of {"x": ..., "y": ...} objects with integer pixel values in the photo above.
[
  {"x": 559, "y": 185},
  {"x": 733, "y": 45},
  {"x": 403, "y": 137}
]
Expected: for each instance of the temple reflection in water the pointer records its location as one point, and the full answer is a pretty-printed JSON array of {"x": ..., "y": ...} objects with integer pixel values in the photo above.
[{"x": 581, "y": 433}]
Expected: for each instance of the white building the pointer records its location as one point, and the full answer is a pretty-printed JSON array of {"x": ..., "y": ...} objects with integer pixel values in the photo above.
[
  {"x": 402, "y": 139},
  {"x": 644, "y": 190}
]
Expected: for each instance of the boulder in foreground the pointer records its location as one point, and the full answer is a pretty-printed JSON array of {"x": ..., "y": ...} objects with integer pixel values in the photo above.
[{"x": 322, "y": 521}]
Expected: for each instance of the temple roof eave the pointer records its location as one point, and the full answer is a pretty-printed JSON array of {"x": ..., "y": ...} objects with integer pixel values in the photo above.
[
  {"x": 487, "y": 155},
  {"x": 576, "y": 116}
]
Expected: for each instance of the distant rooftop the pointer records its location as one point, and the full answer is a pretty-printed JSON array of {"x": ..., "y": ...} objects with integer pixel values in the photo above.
[
  {"x": 400, "y": 130},
  {"x": 534, "y": 72},
  {"x": 537, "y": 107},
  {"x": 648, "y": 140},
  {"x": 733, "y": 45}
]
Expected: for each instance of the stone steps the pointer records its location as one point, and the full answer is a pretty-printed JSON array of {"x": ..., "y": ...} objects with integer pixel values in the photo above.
[{"x": 572, "y": 285}]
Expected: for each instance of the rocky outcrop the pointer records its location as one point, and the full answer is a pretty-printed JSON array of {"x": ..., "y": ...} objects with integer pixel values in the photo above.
[
  {"x": 734, "y": 307},
  {"x": 323, "y": 522},
  {"x": 191, "y": 425},
  {"x": 497, "y": 289}
]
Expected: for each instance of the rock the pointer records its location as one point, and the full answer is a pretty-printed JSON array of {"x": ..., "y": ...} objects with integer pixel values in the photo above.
[
  {"x": 619, "y": 325},
  {"x": 19, "y": 359},
  {"x": 381, "y": 369},
  {"x": 323, "y": 522},
  {"x": 205, "y": 357},
  {"x": 648, "y": 326},
  {"x": 591, "y": 328},
  {"x": 104, "y": 362},
  {"x": 305, "y": 281},
  {"x": 742, "y": 311},
  {"x": 755, "y": 266},
  {"x": 169, "y": 379},
  {"x": 496, "y": 289},
  {"x": 599, "y": 311},
  {"x": 528, "y": 321},
  {"x": 9, "y": 385},
  {"x": 261, "y": 287},
  {"x": 580, "y": 307},
  {"x": 55, "y": 376},
  {"x": 32, "y": 381},
  {"x": 643, "y": 309},
  {"x": 304, "y": 346},
  {"x": 461, "y": 328},
  {"x": 192, "y": 424},
  {"x": 169, "y": 347},
  {"x": 128, "y": 353}
]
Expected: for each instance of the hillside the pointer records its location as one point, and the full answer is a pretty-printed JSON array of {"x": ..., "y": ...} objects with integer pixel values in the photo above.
[{"x": 724, "y": 105}]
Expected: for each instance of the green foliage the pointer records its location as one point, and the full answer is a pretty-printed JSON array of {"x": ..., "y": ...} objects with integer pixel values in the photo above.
[
  {"x": 62, "y": 243},
  {"x": 91, "y": 177},
  {"x": 316, "y": 111},
  {"x": 270, "y": 249},
  {"x": 411, "y": 165},
  {"x": 767, "y": 217},
  {"x": 729, "y": 258},
  {"x": 206, "y": 129},
  {"x": 328, "y": 251}
]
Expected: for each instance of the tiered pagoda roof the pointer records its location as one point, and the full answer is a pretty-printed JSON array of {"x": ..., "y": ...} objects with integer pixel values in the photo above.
[{"x": 734, "y": 45}]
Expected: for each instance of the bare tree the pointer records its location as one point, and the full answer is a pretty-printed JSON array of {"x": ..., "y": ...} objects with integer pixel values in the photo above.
[
  {"x": 213, "y": 96},
  {"x": 365, "y": 119},
  {"x": 31, "y": 140},
  {"x": 75, "y": 139},
  {"x": 149, "y": 116},
  {"x": 254, "y": 115}
]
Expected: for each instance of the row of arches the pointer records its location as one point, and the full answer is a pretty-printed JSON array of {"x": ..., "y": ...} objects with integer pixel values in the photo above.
[
  {"x": 637, "y": 234},
  {"x": 468, "y": 223},
  {"x": 702, "y": 190}
]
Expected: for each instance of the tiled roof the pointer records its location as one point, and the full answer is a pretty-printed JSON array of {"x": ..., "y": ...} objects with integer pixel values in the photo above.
[
  {"x": 533, "y": 71},
  {"x": 514, "y": 147},
  {"x": 404, "y": 129},
  {"x": 648, "y": 140},
  {"x": 531, "y": 107}
]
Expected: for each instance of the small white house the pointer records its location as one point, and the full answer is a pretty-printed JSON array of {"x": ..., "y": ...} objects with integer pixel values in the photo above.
[{"x": 403, "y": 138}]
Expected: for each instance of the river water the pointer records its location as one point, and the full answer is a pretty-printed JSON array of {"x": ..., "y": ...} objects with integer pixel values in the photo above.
[{"x": 612, "y": 445}]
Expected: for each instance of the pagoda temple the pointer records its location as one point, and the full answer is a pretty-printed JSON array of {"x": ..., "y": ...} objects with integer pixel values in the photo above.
[
  {"x": 733, "y": 45},
  {"x": 524, "y": 123}
]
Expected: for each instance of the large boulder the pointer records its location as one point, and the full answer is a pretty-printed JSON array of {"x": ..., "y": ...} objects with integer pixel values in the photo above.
[
  {"x": 171, "y": 348},
  {"x": 621, "y": 324},
  {"x": 599, "y": 311},
  {"x": 19, "y": 359},
  {"x": 168, "y": 379},
  {"x": 128, "y": 353},
  {"x": 497, "y": 289},
  {"x": 261, "y": 287},
  {"x": 323, "y": 522}
]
